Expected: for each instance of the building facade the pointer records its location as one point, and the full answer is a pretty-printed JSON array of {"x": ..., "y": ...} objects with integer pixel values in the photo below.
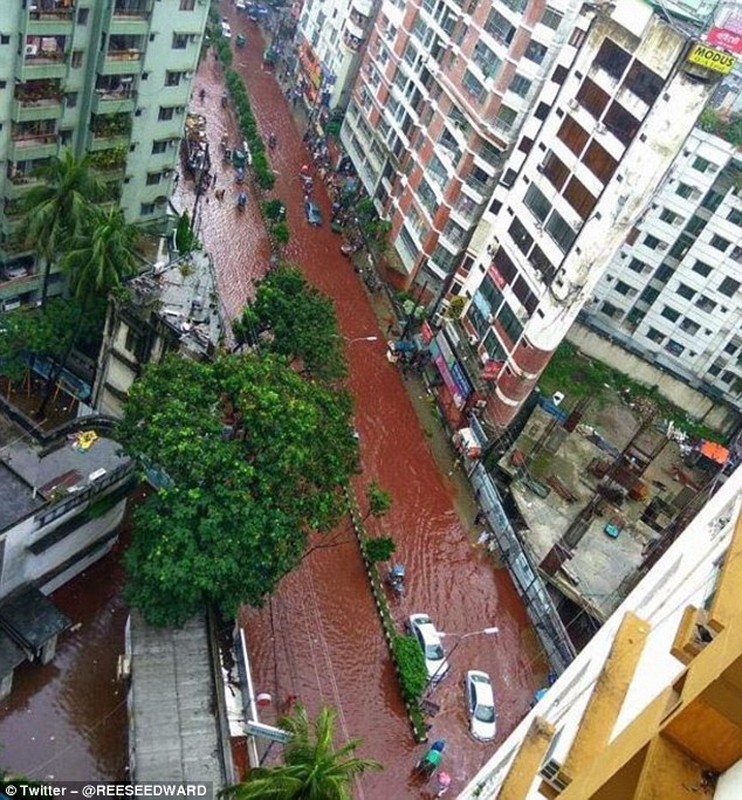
[
  {"x": 107, "y": 77},
  {"x": 650, "y": 707},
  {"x": 674, "y": 287},
  {"x": 443, "y": 89},
  {"x": 620, "y": 100},
  {"x": 330, "y": 38}
]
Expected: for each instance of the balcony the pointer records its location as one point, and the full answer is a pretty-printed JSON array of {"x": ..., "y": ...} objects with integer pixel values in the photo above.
[
  {"x": 123, "y": 57},
  {"x": 130, "y": 17},
  {"x": 114, "y": 102},
  {"x": 24, "y": 147},
  {"x": 109, "y": 131},
  {"x": 19, "y": 183},
  {"x": 40, "y": 64},
  {"x": 352, "y": 42},
  {"x": 362, "y": 7},
  {"x": 50, "y": 18}
]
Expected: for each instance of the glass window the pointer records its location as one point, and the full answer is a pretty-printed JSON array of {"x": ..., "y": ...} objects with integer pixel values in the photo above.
[
  {"x": 684, "y": 190},
  {"x": 165, "y": 113},
  {"x": 644, "y": 83},
  {"x": 651, "y": 242},
  {"x": 577, "y": 195},
  {"x": 551, "y": 18},
  {"x": 560, "y": 231},
  {"x": 636, "y": 266},
  {"x": 555, "y": 170},
  {"x": 669, "y": 216},
  {"x": 729, "y": 287},
  {"x": 592, "y": 98},
  {"x": 719, "y": 242},
  {"x": 506, "y": 116},
  {"x": 573, "y": 135},
  {"x": 537, "y": 203},
  {"x": 620, "y": 123},
  {"x": 612, "y": 58},
  {"x": 473, "y": 86},
  {"x": 486, "y": 60},
  {"x": 701, "y": 164},
  {"x": 735, "y": 216},
  {"x": 180, "y": 41},
  {"x": 520, "y": 85},
  {"x": 685, "y": 291},
  {"x": 655, "y": 336},
  {"x": 670, "y": 313},
  {"x": 600, "y": 162},
  {"x": 702, "y": 269},
  {"x": 499, "y": 27},
  {"x": 535, "y": 51}
]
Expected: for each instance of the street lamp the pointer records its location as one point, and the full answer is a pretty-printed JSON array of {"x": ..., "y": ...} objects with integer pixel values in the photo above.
[
  {"x": 361, "y": 339},
  {"x": 484, "y": 632}
]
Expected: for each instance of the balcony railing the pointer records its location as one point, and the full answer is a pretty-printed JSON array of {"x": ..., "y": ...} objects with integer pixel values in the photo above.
[
  {"x": 22, "y": 139},
  {"x": 44, "y": 10},
  {"x": 131, "y": 8},
  {"x": 124, "y": 55}
]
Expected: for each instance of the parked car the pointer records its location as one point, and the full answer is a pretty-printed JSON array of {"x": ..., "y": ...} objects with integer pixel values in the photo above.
[
  {"x": 312, "y": 212},
  {"x": 240, "y": 5},
  {"x": 422, "y": 628},
  {"x": 226, "y": 30},
  {"x": 480, "y": 705},
  {"x": 11, "y": 272}
]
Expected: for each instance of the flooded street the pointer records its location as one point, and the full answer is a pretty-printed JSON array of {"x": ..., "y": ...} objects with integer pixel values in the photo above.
[
  {"x": 67, "y": 720},
  {"x": 319, "y": 637}
]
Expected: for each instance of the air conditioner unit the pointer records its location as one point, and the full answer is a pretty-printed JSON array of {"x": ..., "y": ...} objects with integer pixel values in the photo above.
[
  {"x": 539, "y": 227},
  {"x": 31, "y": 49},
  {"x": 493, "y": 247},
  {"x": 600, "y": 128},
  {"x": 179, "y": 109},
  {"x": 573, "y": 104},
  {"x": 188, "y": 75},
  {"x": 473, "y": 339},
  {"x": 11, "y": 305}
]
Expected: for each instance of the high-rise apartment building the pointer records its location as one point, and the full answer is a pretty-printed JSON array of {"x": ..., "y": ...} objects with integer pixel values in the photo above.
[
  {"x": 651, "y": 706},
  {"x": 621, "y": 97},
  {"x": 443, "y": 88},
  {"x": 672, "y": 292},
  {"x": 330, "y": 38},
  {"x": 108, "y": 77}
]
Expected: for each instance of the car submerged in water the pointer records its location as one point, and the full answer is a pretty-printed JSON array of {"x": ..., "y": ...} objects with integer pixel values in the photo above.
[
  {"x": 480, "y": 705},
  {"x": 422, "y": 628}
]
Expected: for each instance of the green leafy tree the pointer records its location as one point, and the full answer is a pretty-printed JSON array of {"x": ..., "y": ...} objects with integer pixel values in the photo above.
[
  {"x": 57, "y": 209},
  {"x": 313, "y": 768},
  {"x": 184, "y": 238},
  {"x": 257, "y": 456},
  {"x": 413, "y": 674},
  {"x": 301, "y": 322}
]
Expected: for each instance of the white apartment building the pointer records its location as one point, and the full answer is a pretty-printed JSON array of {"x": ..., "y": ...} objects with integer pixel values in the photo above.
[
  {"x": 107, "y": 77},
  {"x": 674, "y": 286},
  {"x": 442, "y": 91},
  {"x": 330, "y": 37},
  {"x": 650, "y": 707},
  {"x": 619, "y": 102}
]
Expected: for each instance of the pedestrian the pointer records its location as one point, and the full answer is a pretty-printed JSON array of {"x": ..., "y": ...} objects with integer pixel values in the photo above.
[
  {"x": 202, "y": 94},
  {"x": 444, "y": 783},
  {"x": 481, "y": 518},
  {"x": 219, "y": 194},
  {"x": 213, "y": 180}
]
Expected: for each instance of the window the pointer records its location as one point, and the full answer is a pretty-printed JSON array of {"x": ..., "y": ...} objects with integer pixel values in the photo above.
[
  {"x": 651, "y": 242},
  {"x": 146, "y": 209},
  {"x": 542, "y": 264},
  {"x": 473, "y": 86},
  {"x": 180, "y": 41},
  {"x": 577, "y": 195},
  {"x": 165, "y": 113},
  {"x": 551, "y": 18},
  {"x": 159, "y": 146},
  {"x": 684, "y": 191},
  {"x": 706, "y": 304},
  {"x": 509, "y": 322},
  {"x": 560, "y": 231},
  {"x": 670, "y": 217},
  {"x": 506, "y": 117},
  {"x": 592, "y": 98},
  {"x": 600, "y": 162},
  {"x": 712, "y": 200},
  {"x": 685, "y": 291},
  {"x": 76, "y": 59},
  {"x": 612, "y": 58},
  {"x": 655, "y": 336},
  {"x": 499, "y": 28},
  {"x": 523, "y": 240},
  {"x": 735, "y": 216},
  {"x": 486, "y": 60},
  {"x": 701, "y": 164},
  {"x": 520, "y": 85},
  {"x": 82, "y": 16},
  {"x": 70, "y": 99},
  {"x": 535, "y": 51},
  {"x": 624, "y": 288},
  {"x": 525, "y": 145},
  {"x": 690, "y": 326},
  {"x": 731, "y": 348},
  {"x": 729, "y": 287},
  {"x": 670, "y": 313},
  {"x": 555, "y": 171},
  {"x": 637, "y": 266},
  {"x": 649, "y": 295},
  {"x": 715, "y": 368},
  {"x": 644, "y": 83},
  {"x": 153, "y": 178},
  {"x": 675, "y": 348},
  {"x": 187, "y": 5},
  {"x": 537, "y": 203},
  {"x": 719, "y": 242},
  {"x": 516, "y": 5},
  {"x": 620, "y": 123},
  {"x": 172, "y": 78},
  {"x": 695, "y": 225},
  {"x": 574, "y": 136},
  {"x": 610, "y": 310},
  {"x": 664, "y": 273},
  {"x": 702, "y": 269},
  {"x": 559, "y": 75}
]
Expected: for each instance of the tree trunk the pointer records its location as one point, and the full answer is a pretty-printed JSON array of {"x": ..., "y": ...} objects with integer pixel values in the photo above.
[{"x": 45, "y": 281}]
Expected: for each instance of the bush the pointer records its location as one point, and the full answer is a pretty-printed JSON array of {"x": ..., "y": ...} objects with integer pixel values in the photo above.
[
  {"x": 413, "y": 676},
  {"x": 274, "y": 210},
  {"x": 379, "y": 548},
  {"x": 280, "y": 232}
]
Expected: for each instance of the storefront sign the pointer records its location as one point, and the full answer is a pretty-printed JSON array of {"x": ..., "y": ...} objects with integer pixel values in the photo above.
[
  {"x": 726, "y": 39},
  {"x": 706, "y": 56},
  {"x": 491, "y": 370}
]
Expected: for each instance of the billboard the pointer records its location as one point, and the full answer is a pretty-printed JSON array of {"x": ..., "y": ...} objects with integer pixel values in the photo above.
[
  {"x": 726, "y": 39},
  {"x": 708, "y": 57}
]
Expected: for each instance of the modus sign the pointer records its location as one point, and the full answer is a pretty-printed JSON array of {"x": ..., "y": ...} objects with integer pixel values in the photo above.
[{"x": 706, "y": 56}]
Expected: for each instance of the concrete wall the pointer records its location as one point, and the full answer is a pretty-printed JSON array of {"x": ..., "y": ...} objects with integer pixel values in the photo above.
[{"x": 716, "y": 416}]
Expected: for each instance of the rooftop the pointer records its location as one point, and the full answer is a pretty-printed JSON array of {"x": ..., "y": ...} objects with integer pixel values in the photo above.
[
  {"x": 32, "y": 476},
  {"x": 174, "y": 728}
]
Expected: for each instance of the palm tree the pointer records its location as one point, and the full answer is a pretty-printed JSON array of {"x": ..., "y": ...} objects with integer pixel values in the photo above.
[
  {"x": 57, "y": 209},
  {"x": 96, "y": 261},
  {"x": 102, "y": 255},
  {"x": 313, "y": 769}
]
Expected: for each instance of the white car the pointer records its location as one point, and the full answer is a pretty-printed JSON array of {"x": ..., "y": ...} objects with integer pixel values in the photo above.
[
  {"x": 421, "y": 627},
  {"x": 226, "y": 30},
  {"x": 480, "y": 704},
  {"x": 240, "y": 5}
]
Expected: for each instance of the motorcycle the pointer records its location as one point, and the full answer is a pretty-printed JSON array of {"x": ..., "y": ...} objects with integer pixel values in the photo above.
[
  {"x": 240, "y": 175},
  {"x": 241, "y": 201},
  {"x": 272, "y": 141},
  {"x": 395, "y": 579},
  {"x": 349, "y": 249}
]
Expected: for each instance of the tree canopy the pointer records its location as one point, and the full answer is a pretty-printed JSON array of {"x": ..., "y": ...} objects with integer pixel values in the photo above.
[
  {"x": 257, "y": 456},
  {"x": 313, "y": 768},
  {"x": 296, "y": 320}
]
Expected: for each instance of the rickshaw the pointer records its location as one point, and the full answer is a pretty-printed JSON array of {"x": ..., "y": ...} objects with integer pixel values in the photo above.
[{"x": 241, "y": 40}]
